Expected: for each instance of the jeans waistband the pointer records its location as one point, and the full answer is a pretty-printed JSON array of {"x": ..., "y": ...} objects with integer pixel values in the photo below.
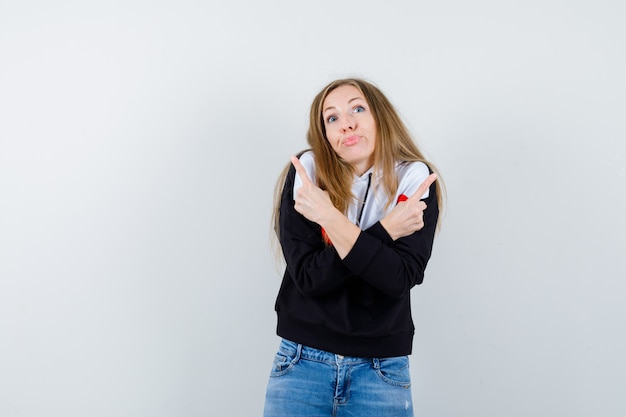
[{"x": 319, "y": 355}]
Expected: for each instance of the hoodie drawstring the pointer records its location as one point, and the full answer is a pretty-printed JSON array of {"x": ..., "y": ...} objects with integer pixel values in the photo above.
[{"x": 367, "y": 190}]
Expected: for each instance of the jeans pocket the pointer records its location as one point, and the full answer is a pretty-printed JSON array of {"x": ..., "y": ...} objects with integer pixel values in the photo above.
[
  {"x": 285, "y": 359},
  {"x": 394, "y": 371}
]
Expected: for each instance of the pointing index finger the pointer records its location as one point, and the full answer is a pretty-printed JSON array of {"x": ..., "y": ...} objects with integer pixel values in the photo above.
[
  {"x": 421, "y": 190},
  {"x": 300, "y": 170}
]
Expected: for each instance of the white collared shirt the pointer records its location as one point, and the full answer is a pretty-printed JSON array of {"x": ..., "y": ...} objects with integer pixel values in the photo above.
[{"x": 410, "y": 177}]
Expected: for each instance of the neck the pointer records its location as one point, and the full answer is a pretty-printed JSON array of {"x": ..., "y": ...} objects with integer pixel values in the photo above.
[{"x": 361, "y": 169}]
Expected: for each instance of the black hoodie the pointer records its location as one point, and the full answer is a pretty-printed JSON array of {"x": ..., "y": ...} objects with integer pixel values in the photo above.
[{"x": 359, "y": 306}]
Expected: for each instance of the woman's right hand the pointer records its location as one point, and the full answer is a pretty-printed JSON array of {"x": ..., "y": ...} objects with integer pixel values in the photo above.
[
  {"x": 407, "y": 217},
  {"x": 310, "y": 200},
  {"x": 315, "y": 204}
]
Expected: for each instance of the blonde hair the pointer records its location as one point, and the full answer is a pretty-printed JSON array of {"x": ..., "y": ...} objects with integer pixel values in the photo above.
[{"x": 393, "y": 144}]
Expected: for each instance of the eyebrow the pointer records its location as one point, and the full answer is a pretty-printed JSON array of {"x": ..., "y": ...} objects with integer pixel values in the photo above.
[{"x": 349, "y": 101}]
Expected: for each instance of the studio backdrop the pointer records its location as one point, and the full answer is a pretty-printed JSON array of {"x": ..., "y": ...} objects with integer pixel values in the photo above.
[{"x": 140, "y": 142}]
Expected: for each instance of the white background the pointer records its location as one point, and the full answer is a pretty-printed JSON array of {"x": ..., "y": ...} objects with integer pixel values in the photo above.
[{"x": 140, "y": 142}]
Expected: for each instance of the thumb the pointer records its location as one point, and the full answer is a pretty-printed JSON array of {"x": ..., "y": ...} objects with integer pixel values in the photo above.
[
  {"x": 421, "y": 190},
  {"x": 300, "y": 170}
]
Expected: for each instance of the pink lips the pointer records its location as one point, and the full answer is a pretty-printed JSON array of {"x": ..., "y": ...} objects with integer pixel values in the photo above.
[{"x": 352, "y": 140}]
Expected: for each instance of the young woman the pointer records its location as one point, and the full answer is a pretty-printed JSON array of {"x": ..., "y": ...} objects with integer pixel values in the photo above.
[{"x": 356, "y": 217}]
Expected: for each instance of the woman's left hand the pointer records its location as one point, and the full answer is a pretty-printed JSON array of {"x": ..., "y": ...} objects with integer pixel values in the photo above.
[{"x": 407, "y": 217}]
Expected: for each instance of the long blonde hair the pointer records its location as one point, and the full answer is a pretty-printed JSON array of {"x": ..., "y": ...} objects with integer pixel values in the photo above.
[{"x": 393, "y": 143}]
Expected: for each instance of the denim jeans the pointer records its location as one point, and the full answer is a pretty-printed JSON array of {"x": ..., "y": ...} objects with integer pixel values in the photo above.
[{"x": 309, "y": 382}]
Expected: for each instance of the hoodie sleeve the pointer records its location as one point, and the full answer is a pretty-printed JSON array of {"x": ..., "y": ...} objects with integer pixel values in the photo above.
[
  {"x": 394, "y": 267},
  {"x": 314, "y": 267}
]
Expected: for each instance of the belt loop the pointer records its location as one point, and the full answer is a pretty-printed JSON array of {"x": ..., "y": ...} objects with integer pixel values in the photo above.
[
  {"x": 298, "y": 353},
  {"x": 375, "y": 363}
]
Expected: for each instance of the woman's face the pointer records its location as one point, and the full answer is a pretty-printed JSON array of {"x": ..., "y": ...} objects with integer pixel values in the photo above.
[{"x": 350, "y": 127}]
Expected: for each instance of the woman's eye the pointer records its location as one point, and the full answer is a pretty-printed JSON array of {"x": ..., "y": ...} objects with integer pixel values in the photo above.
[
  {"x": 331, "y": 119},
  {"x": 359, "y": 109}
]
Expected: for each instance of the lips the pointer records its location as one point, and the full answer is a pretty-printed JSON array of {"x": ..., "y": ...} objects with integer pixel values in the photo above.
[{"x": 352, "y": 140}]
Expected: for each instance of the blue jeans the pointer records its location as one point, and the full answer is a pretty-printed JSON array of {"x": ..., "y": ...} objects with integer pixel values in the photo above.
[{"x": 309, "y": 382}]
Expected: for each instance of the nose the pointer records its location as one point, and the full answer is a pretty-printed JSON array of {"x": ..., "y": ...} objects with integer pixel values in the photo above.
[{"x": 349, "y": 123}]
